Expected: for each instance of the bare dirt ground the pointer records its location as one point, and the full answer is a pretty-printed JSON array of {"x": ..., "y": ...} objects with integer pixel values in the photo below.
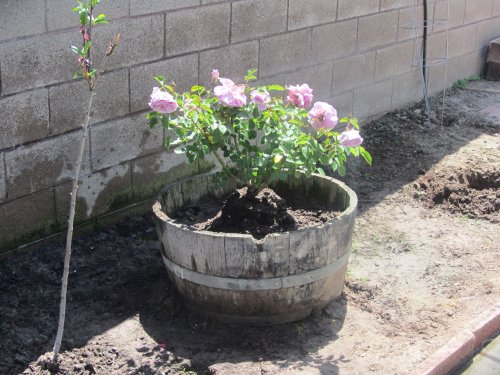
[{"x": 421, "y": 269}]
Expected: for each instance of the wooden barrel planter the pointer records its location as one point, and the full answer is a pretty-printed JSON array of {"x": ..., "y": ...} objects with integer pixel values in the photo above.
[{"x": 237, "y": 279}]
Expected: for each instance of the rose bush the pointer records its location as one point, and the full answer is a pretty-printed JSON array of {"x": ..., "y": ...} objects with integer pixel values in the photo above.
[{"x": 255, "y": 141}]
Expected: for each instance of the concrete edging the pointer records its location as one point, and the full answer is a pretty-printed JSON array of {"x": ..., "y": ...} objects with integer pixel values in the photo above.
[{"x": 462, "y": 346}]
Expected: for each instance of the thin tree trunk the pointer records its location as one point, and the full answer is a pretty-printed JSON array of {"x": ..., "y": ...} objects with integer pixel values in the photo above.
[{"x": 69, "y": 236}]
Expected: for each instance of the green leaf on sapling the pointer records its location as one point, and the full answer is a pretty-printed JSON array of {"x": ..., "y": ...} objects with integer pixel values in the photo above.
[
  {"x": 84, "y": 16},
  {"x": 100, "y": 19}
]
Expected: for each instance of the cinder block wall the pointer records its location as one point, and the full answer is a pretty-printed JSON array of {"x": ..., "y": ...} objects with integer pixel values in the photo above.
[{"x": 355, "y": 54}]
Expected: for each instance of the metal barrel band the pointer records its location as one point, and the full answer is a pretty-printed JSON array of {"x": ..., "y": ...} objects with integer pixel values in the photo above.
[{"x": 255, "y": 284}]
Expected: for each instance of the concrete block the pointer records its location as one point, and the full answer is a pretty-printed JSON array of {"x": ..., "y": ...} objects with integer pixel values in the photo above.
[
  {"x": 477, "y": 10},
  {"x": 392, "y": 4},
  {"x": 438, "y": 78},
  {"x": 151, "y": 173},
  {"x": 407, "y": 89},
  {"x": 43, "y": 164},
  {"x": 379, "y": 29},
  {"x": 99, "y": 193},
  {"x": 351, "y": 9},
  {"x": 256, "y": 18},
  {"x": 152, "y": 6},
  {"x": 141, "y": 40},
  {"x": 309, "y": 13},
  {"x": 59, "y": 14},
  {"x": 62, "y": 194},
  {"x": 117, "y": 141},
  {"x": 232, "y": 62},
  {"x": 68, "y": 102},
  {"x": 343, "y": 103},
  {"x": 453, "y": 71},
  {"x": 26, "y": 219},
  {"x": 334, "y": 40},
  {"x": 285, "y": 52},
  {"x": 406, "y": 28},
  {"x": 487, "y": 31},
  {"x": 3, "y": 187},
  {"x": 455, "y": 17},
  {"x": 197, "y": 29},
  {"x": 37, "y": 61},
  {"x": 393, "y": 61},
  {"x": 183, "y": 71},
  {"x": 436, "y": 48},
  {"x": 372, "y": 100},
  {"x": 353, "y": 72},
  {"x": 461, "y": 40},
  {"x": 24, "y": 118},
  {"x": 472, "y": 63},
  {"x": 318, "y": 77},
  {"x": 21, "y": 17},
  {"x": 496, "y": 8}
]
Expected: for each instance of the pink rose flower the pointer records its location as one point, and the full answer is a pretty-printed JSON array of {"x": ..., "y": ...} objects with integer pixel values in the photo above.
[
  {"x": 162, "y": 101},
  {"x": 350, "y": 138},
  {"x": 215, "y": 75},
  {"x": 301, "y": 96},
  {"x": 323, "y": 115},
  {"x": 261, "y": 99},
  {"x": 230, "y": 94}
]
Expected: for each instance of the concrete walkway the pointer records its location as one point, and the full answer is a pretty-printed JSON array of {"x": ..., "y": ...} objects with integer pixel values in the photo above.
[{"x": 486, "y": 362}]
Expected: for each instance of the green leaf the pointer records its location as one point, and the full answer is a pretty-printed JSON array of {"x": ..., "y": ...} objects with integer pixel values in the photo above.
[
  {"x": 283, "y": 176},
  {"x": 275, "y": 88},
  {"x": 341, "y": 170},
  {"x": 250, "y": 76},
  {"x": 86, "y": 48},
  {"x": 100, "y": 19},
  {"x": 180, "y": 150},
  {"x": 84, "y": 16},
  {"x": 354, "y": 122},
  {"x": 222, "y": 128},
  {"x": 366, "y": 155},
  {"x": 160, "y": 79},
  {"x": 165, "y": 121},
  {"x": 252, "y": 134},
  {"x": 198, "y": 89},
  {"x": 153, "y": 121},
  {"x": 321, "y": 171},
  {"x": 166, "y": 143}
]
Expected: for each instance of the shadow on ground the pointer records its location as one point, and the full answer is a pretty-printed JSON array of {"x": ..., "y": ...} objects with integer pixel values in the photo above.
[{"x": 117, "y": 273}]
